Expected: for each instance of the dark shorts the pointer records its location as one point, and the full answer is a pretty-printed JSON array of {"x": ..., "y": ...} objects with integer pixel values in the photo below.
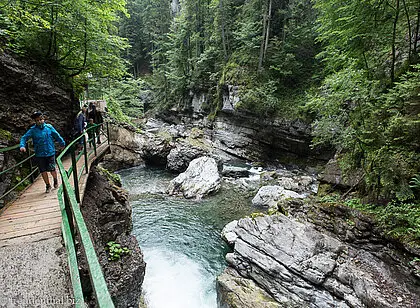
[{"x": 45, "y": 163}]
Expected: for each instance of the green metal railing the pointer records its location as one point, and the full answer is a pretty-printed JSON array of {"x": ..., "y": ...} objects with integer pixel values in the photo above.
[
  {"x": 32, "y": 169},
  {"x": 72, "y": 218},
  {"x": 69, "y": 200}
]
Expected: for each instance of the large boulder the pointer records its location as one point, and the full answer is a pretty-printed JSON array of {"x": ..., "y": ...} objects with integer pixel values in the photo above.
[
  {"x": 126, "y": 148},
  {"x": 200, "y": 179},
  {"x": 334, "y": 176},
  {"x": 301, "y": 266},
  {"x": 185, "y": 150},
  {"x": 130, "y": 148},
  {"x": 269, "y": 196}
]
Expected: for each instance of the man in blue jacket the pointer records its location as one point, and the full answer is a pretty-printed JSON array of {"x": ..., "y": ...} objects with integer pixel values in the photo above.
[{"x": 43, "y": 136}]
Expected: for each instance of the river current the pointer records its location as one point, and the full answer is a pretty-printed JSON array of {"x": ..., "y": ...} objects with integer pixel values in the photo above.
[{"x": 180, "y": 238}]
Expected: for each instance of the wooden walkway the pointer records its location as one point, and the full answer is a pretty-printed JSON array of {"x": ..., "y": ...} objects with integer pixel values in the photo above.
[{"x": 36, "y": 215}]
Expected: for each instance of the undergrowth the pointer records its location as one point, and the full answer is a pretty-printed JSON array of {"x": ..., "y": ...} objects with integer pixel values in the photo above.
[{"x": 398, "y": 219}]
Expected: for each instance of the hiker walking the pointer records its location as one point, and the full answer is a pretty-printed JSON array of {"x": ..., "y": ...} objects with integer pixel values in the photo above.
[{"x": 43, "y": 136}]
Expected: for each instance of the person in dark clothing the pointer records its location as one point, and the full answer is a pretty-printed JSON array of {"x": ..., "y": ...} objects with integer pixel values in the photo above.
[
  {"x": 96, "y": 115},
  {"x": 43, "y": 136},
  {"x": 90, "y": 132},
  {"x": 79, "y": 125},
  {"x": 92, "y": 111}
]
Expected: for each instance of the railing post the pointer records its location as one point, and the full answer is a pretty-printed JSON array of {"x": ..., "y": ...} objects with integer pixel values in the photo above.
[
  {"x": 85, "y": 154},
  {"x": 30, "y": 163},
  {"x": 67, "y": 206},
  {"x": 75, "y": 175},
  {"x": 107, "y": 131},
  {"x": 94, "y": 141}
]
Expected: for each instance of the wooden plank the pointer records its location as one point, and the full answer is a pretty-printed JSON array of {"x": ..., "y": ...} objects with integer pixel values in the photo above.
[
  {"x": 28, "y": 217},
  {"x": 34, "y": 203},
  {"x": 22, "y": 212},
  {"x": 15, "y": 227},
  {"x": 35, "y": 208},
  {"x": 31, "y": 238},
  {"x": 35, "y": 230}
]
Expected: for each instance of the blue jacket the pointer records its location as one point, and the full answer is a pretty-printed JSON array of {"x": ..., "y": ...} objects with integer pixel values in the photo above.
[{"x": 43, "y": 139}]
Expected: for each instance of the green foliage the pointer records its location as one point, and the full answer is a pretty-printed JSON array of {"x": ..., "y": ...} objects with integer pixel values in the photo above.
[
  {"x": 256, "y": 214},
  {"x": 401, "y": 220},
  {"x": 122, "y": 96},
  {"x": 76, "y": 36},
  {"x": 115, "y": 251},
  {"x": 111, "y": 176},
  {"x": 213, "y": 44},
  {"x": 5, "y": 135},
  {"x": 116, "y": 112},
  {"x": 330, "y": 198},
  {"x": 376, "y": 130},
  {"x": 415, "y": 182}
]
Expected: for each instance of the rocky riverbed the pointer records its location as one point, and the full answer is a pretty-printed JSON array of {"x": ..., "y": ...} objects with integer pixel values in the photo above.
[{"x": 302, "y": 253}]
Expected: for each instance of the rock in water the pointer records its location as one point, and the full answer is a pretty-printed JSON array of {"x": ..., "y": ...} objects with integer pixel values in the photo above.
[{"x": 200, "y": 179}]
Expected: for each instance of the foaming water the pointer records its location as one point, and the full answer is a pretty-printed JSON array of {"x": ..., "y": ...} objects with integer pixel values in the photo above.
[
  {"x": 175, "y": 280},
  {"x": 180, "y": 238}
]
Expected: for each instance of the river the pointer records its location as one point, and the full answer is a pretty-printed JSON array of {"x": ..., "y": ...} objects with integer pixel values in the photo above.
[{"x": 180, "y": 238}]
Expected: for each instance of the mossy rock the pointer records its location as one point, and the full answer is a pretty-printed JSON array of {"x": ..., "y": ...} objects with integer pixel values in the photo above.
[
  {"x": 166, "y": 136},
  {"x": 111, "y": 177},
  {"x": 324, "y": 189},
  {"x": 5, "y": 135},
  {"x": 196, "y": 133}
]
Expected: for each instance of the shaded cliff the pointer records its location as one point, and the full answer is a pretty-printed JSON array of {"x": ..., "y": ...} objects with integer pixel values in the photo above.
[
  {"x": 25, "y": 88},
  {"x": 107, "y": 213}
]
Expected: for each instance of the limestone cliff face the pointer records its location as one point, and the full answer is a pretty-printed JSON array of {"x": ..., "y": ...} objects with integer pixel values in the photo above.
[
  {"x": 319, "y": 256},
  {"x": 107, "y": 213},
  {"x": 26, "y": 88}
]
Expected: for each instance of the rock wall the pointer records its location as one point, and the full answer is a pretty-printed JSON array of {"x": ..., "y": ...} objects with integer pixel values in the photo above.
[
  {"x": 249, "y": 137},
  {"x": 322, "y": 256},
  {"x": 254, "y": 138},
  {"x": 176, "y": 143},
  {"x": 26, "y": 88},
  {"x": 107, "y": 213}
]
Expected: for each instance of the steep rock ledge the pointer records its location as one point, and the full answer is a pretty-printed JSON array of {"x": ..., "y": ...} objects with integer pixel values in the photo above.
[
  {"x": 339, "y": 260},
  {"x": 107, "y": 213},
  {"x": 26, "y": 88}
]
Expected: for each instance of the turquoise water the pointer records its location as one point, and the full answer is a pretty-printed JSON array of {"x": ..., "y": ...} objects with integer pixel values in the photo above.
[{"x": 180, "y": 238}]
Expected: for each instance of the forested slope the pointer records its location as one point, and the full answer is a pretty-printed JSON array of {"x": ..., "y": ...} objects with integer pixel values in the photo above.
[{"x": 351, "y": 68}]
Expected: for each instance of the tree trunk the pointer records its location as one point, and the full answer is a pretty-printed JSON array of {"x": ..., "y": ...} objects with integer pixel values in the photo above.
[
  {"x": 416, "y": 35},
  {"x": 261, "y": 57},
  {"x": 394, "y": 35},
  {"x": 410, "y": 34},
  {"x": 223, "y": 29},
  {"x": 267, "y": 36}
]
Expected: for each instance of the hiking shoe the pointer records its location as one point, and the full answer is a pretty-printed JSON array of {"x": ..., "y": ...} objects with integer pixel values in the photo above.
[
  {"x": 55, "y": 183},
  {"x": 47, "y": 188}
]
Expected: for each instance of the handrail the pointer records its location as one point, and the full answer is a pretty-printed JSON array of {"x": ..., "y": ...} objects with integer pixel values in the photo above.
[
  {"x": 69, "y": 199},
  {"x": 32, "y": 169}
]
